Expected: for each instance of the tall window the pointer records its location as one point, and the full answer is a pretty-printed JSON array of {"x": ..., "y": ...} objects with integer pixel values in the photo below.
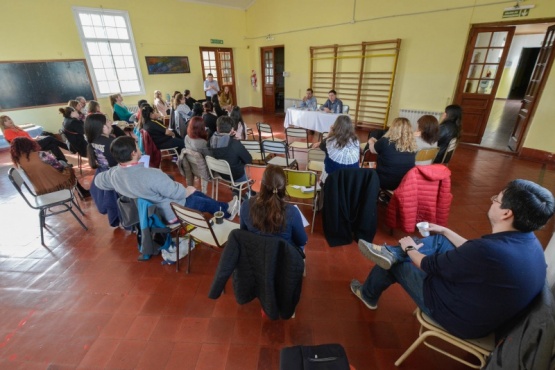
[{"x": 108, "y": 43}]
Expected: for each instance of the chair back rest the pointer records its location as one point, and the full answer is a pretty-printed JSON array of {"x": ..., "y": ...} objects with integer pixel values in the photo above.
[
  {"x": 218, "y": 167},
  {"x": 190, "y": 216},
  {"x": 300, "y": 178},
  {"x": 450, "y": 150},
  {"x": 296, "y": 132},
  {"x": 424, "y": 155},
  {"x": 198, "y": 164},
  {"x": 151, "y": 149},
  {"x": 18, "y": 182},
  {"x": 252, "y": 146},
  {"x": 255, "y": 173},
  {"x": 264, "y": 128},
  {"x": 368, "y": 157},
  {"x": 550, "y": 258},
  {"x": 274, "y": 147},
  {"x": 345, "y": 109},
  {"x": 316, "y": 154}
]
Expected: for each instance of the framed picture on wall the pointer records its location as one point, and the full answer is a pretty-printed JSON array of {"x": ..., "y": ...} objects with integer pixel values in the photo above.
[{"x": 167, "y": 65}]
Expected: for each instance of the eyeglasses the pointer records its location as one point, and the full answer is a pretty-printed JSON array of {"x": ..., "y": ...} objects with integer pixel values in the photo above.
[{"x": 494, "y": 199}]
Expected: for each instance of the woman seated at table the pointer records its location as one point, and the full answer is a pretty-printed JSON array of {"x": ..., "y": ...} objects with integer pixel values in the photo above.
[
  {"x": 74, "y": 130},
  {"x": 239, "y": 125},
  {"x": 341, "y": 147},
  {"x": 226, "y": 99},
  {"x": 426, "y": 135},
  {"x": 396, "y": 153},
  {"x": 121, "y": 113},
  {"x": 162, "y": 137},
  {"x": 46, "y": 143},
  {"x": 197, "y": 138},
  {"x": 267, "y": 213},
  {"x": 44, "y": 171}
]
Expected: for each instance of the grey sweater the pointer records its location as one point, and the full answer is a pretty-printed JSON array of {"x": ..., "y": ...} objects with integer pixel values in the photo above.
[{"x": 148, "y": 183}]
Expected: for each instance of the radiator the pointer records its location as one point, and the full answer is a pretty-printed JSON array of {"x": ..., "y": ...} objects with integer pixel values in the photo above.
[
  {"x": 133, "y": 108},
  {"x": 414, "y": 114}
]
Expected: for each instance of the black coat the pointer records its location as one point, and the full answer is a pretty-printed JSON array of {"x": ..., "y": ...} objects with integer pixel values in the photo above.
[
  {"x": 263, "y": 267},
  {"x": 350, "y": 210},
  {"x": 447, "y": 131},
  {"x": 235, "y": 154},
  {"x": 75, "y": 133}
]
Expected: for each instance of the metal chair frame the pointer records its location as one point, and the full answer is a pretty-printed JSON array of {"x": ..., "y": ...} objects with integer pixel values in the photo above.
[
  {"x": 293, "y": 133},
  {"x": 302, "y": 178},
  {"x": 69, "y": 147},
  {"x": 450, "y": 151},
  {"x": 278, "y": 148},
  {"x": 266, "y": 129},
  {"x": 254, "y": 149},
  {"x": 315, "y": 160},
  {"x": 219, "y": 167}
]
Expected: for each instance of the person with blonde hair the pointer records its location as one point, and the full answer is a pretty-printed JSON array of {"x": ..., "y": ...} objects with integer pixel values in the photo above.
[
  {"x": 121, "y": 113},
  {"x": 396, "y": 153},
  {"x": 226, "y": 99},
  {"x": 268, "y": 214},
  {"x": 160, "y": 104}
]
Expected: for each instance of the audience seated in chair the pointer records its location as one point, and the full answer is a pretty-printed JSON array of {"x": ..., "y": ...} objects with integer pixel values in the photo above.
[
  {"x": 133, "y": 180},
  {"x": 469, "y": 287},
  {"x": 163, "y": 138},
  {"x": 121, "y": 112},
  {"x": 426, "y": 135},
  {"x": 74, "y": 130},
  {"x": 449, "y": 128}
]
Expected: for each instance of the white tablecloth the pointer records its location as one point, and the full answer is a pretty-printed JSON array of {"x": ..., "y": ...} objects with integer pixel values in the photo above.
[{"x": 312, "y": 120}]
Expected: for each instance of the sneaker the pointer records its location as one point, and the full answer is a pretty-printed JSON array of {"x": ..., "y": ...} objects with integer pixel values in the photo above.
[
  {"x": 233, "y": 208},
  {"x": 377, "y": 254},
  {"x": 356, "y": 288}
]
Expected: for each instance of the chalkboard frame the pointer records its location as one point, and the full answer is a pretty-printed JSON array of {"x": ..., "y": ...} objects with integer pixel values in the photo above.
[{"x": 48, "y": 87}]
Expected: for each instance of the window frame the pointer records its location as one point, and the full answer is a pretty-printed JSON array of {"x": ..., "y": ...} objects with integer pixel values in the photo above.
[{"x": 101, "y": 11}]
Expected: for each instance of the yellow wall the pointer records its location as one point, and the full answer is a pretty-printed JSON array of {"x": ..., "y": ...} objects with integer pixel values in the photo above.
[{"x": 433, "y": 42}]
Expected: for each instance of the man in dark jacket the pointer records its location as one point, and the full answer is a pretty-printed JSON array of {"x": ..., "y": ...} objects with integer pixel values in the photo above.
[{"x": 223, "y": 146}]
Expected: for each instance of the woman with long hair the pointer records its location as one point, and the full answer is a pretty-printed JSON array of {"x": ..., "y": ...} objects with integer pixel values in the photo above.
[
  {"x": 160, "y": 104},
  {"x": 182, "y": 114},
  {"x": 93, "y": 107},
  {"x": 44, "y": 171},
  {"x": 120, "y": 110},
  {"x": 396, "y": 153},
  {"x": 449, "y": 128},
  {"x": 97, "y": 132},
  {"x": 342, "y": 147},
  {"x": 162, "y": 137},
  {"x": 46, "y": 143},
  {"x": 189, "y": 100},
  {"x": 217, "y": 107},
  {"x": 267, "y": 213},
  {"x": 226, "y": 99},
  {"x": 426, "y": 135},
  {"x": 78, "y": 106},
  {"x": 209, "y": 117},
  {"x": 239, "y": 125},
  {"x": 197, "y": 138},
  {"x": 74, "y": 130}
]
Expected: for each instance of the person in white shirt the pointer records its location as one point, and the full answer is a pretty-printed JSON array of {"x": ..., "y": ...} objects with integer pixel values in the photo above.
[{"x": 211, "y": 86}]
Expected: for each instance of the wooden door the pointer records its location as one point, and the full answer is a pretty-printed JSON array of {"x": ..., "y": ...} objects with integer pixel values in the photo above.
[
  {"x": 533, "y": 92},
  {"x": 219, "y": 62},
  {"x": 485, "y": 57},
  {"x": 268, "y": 80}
]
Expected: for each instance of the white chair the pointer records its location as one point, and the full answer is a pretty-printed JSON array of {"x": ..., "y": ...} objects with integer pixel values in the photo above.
[
  {"x": 219, "y": 167},
  {"x": 345, "y": 109},
  {"x": 201, "y": 230},
  {"x": 316, "y": 157},
  {"x": 280, "y": 152},
  {"x": 450, "y": 151},
  {"x": 45, "y": 202},
  {"x": 297, "y": 138},
  {"x": 253, "y": 147},
  {"x": 265, "y": 132}
]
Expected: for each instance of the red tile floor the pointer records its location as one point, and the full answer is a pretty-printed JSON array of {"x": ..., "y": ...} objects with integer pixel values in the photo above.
[{"x": 85, "y": 302}]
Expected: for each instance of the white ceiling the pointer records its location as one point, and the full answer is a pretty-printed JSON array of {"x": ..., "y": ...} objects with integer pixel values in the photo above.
[{"x": 235, "y": 4}]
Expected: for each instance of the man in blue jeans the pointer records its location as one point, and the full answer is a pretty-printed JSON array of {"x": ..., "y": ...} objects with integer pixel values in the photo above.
[{"x": 470, "y": 287}]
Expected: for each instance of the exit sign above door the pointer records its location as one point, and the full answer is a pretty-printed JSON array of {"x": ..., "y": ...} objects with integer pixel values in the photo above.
[{"x": 216, "y": 41}]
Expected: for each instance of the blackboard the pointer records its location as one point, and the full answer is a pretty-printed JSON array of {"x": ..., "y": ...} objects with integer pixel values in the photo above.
[{"x": 35, "y": 84}]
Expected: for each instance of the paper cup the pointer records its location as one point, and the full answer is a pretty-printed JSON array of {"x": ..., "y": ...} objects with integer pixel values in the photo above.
[{"x": 423, "y": 228}]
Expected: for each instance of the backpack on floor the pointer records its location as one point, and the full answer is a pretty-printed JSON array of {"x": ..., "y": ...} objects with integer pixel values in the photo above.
[{"x": 322, "y": 357}]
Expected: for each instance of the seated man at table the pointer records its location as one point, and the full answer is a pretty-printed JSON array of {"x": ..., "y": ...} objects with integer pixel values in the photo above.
[
  {"x": 309, "y": 101},
  {"x": 332, "y": 105},
  {"x": 470, "y": 287},
  {"x": 131, "y": 179}
]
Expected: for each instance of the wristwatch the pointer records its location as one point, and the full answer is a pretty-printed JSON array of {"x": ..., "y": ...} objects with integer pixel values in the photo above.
[{"x": 410, "y": 248}]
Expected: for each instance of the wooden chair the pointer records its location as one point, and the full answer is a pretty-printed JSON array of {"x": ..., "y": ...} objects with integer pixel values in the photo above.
[
  {"x": 426, "y": 156},
  {"x": 219, "y": 167},
  {"x": 253, "y": 147},
  {"x": 45, "y": 202},
  {"x": 201, "y": 230},
  {"x": 298, "y": 187},
  {"x": 280, "y": 152},
  {"x": 297, "y": 138}
]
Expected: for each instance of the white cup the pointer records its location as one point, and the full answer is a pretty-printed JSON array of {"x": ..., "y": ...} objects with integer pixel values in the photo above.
[{"x": 423, "y": 228}]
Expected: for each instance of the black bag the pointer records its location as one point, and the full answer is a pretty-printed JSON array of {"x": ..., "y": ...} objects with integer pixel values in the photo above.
[{"x": 322, "y": 357}]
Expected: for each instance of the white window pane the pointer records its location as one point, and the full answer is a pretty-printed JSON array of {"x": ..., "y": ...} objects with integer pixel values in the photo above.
[
  {"x": 104, "y": 48},
  {"x": 129, "y": 62},
  {"x": 126, "y": 49},
  {"x": 114, "y": 86},
  {"x": 107, "y": 61},
  {"x": 103, "y": 87},
  {"x": 120, "y": 22},
  {"x": 204, "y": 55},
  {"x": 89, "y": 32},
  {"x": 100, "y": 32},
  {"x": 130, "y": 86},
  {"x": 122, "y": 74},
  {"x": 111, "y": 32},
  {"x": 123, "y": 35},
  {"x": 118, "y": 61},
  {"x": 97, "y": 62},
  {"x": 93, "y": 48},
  {"x": 85, "y": 19},
  {"x": 96, "y": 20},
  {"x": 111, "y": 74},
  {"x": 206, "y": 65},
  {"x": 100, "y": 74},
  {"x": 109, "y": 21},
  {"x": 132, "y": 73},
  {"x": 116, "y": 48}
]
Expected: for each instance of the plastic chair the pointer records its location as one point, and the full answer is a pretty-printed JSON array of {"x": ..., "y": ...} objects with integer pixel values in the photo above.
[
  {"x": 450, "y": 151},
  {"x": 253, "y": 147},
  {"x": 265, "y": 130},
  {"x": 201, "y": 230},
  {"x": 302, "y": 185},
  {"x": 480, "y": 348},
  {"x": 281, "y": 154},
  {"x": 292, "y": 137},
  {"x": 254, "y": 174},
  {"x": 61, "y": 198},
  {"x": 219, "y": 167},
  {"x": 426, "y": 156},
  {"x": 345, "y": 109},
  {"x": 154, "y": 152},
  {"x": 316, "y": 157}
]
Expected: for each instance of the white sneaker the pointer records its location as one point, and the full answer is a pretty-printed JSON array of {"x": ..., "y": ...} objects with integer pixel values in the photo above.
[{"x": 233, "y": 208}]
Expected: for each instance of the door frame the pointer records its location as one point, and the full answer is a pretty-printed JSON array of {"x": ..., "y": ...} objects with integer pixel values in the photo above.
[
  {"x": 263, "y": 74},
  {"x": 542, "y": 83}
]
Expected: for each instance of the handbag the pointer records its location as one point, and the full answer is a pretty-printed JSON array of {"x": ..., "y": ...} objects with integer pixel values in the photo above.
[{"x": 322, "y": 357}]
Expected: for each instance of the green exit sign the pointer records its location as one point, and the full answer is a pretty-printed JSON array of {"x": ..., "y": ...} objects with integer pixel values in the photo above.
[{"x": 216, "y": 41}]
